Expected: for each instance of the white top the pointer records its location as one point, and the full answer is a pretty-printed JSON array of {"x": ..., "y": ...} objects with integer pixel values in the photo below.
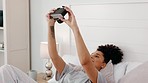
[{"x": 76, "y": 74}]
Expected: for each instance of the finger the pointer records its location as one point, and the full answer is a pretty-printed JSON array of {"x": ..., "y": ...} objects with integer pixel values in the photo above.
[
  {"x": 68, "y": 10},
  {"x": 64, "y": 20},
  {"x": 70, "y": 13},
  {"x": 51, "y": 11},
  {"x": 54, "y": 9},
  {"x": 48, "y": 16}
]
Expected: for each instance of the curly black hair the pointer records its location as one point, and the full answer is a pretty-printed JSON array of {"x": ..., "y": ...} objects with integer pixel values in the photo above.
[{"x": 111, "y": 52}]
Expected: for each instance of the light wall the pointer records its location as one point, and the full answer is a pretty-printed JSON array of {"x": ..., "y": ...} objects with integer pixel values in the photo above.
[{"x": 39, "y": 9}]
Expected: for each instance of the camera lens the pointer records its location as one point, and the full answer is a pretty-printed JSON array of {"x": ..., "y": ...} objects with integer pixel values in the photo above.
[{"x": 59, "y": 21}]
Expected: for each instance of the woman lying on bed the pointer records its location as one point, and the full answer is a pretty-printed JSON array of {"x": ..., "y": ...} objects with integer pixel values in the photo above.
[{"x": 92, "y": 64}]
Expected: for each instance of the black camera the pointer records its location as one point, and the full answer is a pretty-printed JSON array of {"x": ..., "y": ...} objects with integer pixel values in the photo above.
[{"x": 59, "y": 12}]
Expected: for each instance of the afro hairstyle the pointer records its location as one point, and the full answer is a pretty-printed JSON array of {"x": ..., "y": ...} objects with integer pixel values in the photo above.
[{"x": 111, "y": 52}]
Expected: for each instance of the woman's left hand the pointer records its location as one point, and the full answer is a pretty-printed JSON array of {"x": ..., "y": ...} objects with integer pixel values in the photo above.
[{"x": 50, "y": 19}]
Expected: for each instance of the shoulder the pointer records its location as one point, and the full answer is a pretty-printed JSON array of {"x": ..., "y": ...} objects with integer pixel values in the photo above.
[{"x": 101, "y": 78}]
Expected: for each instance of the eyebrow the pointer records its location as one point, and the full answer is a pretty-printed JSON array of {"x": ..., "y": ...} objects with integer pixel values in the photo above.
[{"x": 98, "y": 53}]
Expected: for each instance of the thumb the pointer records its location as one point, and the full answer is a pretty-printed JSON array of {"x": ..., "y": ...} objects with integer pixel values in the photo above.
[{"x": 64, "y": 20}]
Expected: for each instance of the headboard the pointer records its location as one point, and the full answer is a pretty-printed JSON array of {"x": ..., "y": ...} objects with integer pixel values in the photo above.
[{"x": 122, "y": 24}]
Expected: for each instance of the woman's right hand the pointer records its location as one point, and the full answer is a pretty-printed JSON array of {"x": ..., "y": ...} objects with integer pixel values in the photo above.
[
  {"x": 50, "y": 20},
  {"x": 71, "y": 21}
]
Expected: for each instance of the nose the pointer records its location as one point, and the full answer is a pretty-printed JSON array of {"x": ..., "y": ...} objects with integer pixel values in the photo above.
[{"x": 92, "y": 58}]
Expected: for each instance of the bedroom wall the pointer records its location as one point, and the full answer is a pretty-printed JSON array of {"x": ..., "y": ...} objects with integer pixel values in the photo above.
[
  {"x": 39, "y": 8},
  {"x": 124, "y": 24}
]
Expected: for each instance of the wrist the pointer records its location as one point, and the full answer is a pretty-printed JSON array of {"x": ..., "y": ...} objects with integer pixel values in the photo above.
[
  {"x": 75, "y": 29},
  {"x": 51, "y": 23}
]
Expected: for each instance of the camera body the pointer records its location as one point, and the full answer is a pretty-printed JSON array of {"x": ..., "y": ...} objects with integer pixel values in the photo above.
[{"x": 59, "y": 12}]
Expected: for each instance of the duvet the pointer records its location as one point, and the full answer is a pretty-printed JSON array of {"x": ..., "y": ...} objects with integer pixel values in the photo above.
[{"x": 11, "y": 74}]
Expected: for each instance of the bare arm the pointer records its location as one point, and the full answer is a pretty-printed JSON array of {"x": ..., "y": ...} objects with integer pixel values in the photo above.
[
  {"x": 84, "y": 57},
  {"x": 83, "y": 53},
  {"x": 56, "y": 59}
]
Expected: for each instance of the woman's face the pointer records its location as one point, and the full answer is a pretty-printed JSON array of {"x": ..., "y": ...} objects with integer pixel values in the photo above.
[{"x": 98, "y": 60}]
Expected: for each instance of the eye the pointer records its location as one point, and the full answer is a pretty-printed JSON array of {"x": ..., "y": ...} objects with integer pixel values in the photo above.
[
  {"x": 97, "y": 56},
  {"x": 92, "y": 54}
]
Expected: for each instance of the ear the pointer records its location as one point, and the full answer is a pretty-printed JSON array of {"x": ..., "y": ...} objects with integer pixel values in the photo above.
[{"x": 103, "y": 65}]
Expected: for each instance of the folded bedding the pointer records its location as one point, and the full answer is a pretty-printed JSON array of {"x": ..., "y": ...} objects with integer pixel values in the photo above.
[{"x": 11, "y": 74}]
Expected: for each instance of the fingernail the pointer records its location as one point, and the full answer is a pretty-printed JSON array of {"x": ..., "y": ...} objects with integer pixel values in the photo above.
[{"x": 51, "y": 17}]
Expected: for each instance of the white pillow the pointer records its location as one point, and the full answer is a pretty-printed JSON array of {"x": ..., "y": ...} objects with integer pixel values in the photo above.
[
  {"x": 137, "y": 75},
  {"x": 119, "y": 70},
  {"x": 132, "y": 65},
  {"x": 108, "y": 72}
]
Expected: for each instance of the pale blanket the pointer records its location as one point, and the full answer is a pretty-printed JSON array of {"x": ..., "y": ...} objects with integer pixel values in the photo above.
[{"x": 11, "y": 74}]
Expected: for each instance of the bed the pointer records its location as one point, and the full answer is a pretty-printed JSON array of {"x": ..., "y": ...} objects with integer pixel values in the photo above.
[
  {"x": 122, "y": 71},
  {"x": 123, "y": 24}
]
